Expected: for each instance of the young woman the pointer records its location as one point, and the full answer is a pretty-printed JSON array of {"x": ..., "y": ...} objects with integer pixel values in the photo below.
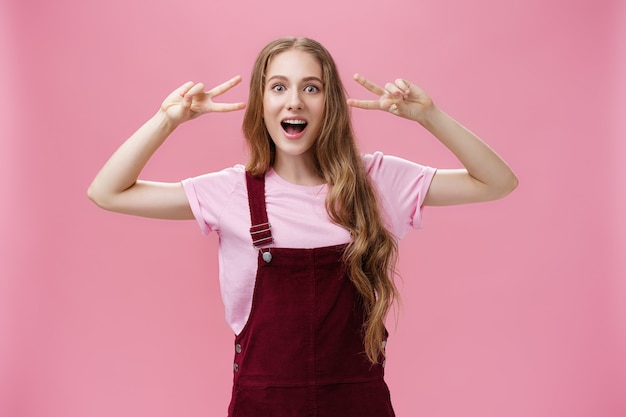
[{"x": 308, "y": 228}]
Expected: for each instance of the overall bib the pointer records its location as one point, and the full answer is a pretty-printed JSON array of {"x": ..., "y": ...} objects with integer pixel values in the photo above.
[{"x": 301, "y": 352}]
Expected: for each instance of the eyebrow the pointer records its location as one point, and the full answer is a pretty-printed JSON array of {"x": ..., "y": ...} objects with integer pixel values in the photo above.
[{"x": 305, "y": 79}]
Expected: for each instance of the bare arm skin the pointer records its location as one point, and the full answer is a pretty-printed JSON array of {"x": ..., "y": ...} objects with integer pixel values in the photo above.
[
  {"x": 117, "y": 187},
  {"x": 485, "y": 175}
]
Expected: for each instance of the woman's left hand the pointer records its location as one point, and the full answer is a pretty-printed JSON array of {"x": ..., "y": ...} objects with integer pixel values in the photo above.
[
  {"x": 485, "y": 177},
  {"x": 401, "y": 98}
]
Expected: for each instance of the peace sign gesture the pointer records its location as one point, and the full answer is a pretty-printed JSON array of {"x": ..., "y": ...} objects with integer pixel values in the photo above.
[
  {"x": 190, "y": 101},
  {"x": 401, "y": 98}
]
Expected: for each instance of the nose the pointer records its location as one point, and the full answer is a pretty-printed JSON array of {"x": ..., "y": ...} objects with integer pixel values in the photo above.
[{"x": 294, "y": 101}]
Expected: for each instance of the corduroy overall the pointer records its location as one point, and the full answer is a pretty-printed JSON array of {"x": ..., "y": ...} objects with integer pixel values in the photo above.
[{"x": 301, "y": 352}]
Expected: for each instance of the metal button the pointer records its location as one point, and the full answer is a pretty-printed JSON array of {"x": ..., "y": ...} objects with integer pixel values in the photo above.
[
  {"x": 238, "y": 348},
  {"x": 236, "y": 367}
]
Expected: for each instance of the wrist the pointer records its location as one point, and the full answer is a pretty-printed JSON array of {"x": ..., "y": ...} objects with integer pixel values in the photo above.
[
  {"x": 164, "y": 123},
  {"x": 430, "y": 117}
]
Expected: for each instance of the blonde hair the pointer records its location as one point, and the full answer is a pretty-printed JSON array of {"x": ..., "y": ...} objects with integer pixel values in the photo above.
[{"x": 351, "y": 202}]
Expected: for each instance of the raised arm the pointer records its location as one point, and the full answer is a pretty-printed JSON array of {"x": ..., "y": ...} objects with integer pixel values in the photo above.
[
  {"x": 117, "y": 188},
  {"x": 485, "y": 175}
]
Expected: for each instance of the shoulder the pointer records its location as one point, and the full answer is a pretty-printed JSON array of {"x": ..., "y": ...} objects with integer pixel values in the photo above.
[
  {"x": 379, "y": 165},
  {"x": 213, "y": 194},
  {"x": 402, "y": 186},
  {"x": 216, "y": 186},
  {"x": 226, "y": 177}
]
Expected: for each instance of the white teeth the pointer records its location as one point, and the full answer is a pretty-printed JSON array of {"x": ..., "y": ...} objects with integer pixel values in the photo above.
[{"x": 294, "y": 122}]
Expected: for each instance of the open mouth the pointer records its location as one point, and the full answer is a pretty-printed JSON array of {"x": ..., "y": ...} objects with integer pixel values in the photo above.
[{"x": 293, "y": 127}]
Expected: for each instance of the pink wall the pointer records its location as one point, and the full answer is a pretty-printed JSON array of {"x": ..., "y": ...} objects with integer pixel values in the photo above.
[{"x": 509, "y": 308}]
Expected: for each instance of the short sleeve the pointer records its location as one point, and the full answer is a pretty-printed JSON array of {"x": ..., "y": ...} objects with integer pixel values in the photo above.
[
  {"x": 402, "y": 186},
  {"x": 208, "y": 195}
]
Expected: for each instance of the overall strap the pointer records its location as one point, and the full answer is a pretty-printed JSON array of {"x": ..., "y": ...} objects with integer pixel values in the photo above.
[{"x": 261, "y": 229}]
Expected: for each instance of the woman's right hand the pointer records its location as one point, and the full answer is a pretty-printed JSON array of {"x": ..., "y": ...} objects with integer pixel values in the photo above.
[
  {"x": 190, "y": 101},
  {"x": 117, "y": 187}
]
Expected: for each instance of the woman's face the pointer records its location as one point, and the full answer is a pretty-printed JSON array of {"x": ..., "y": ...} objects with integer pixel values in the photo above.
[{"x": 293, "y": 103}]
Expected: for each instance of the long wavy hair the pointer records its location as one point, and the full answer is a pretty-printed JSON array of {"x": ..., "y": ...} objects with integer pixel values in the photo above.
[{"x": 351, "y": 201}]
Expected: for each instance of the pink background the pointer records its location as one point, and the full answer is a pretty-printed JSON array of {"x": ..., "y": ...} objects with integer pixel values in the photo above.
[{"x": 511, "y": 308}]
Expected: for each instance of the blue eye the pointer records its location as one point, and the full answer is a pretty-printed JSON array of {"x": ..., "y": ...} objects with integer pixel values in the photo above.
[
  {"x": 311, "y": 89},
  {"x": 278, "y": 88}
]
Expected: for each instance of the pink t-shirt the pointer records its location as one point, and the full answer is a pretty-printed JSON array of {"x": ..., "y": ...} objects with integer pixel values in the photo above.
[{"x": 298, "y": 216}]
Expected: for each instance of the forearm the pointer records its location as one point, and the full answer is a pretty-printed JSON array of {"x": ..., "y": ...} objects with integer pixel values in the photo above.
[
  {"x": 480, "y": 161},
  {"x": 485, "y": 177},
  {"x": 122, "y": 169}
]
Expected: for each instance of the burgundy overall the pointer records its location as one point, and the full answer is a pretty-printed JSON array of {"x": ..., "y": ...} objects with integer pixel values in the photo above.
[{"x": 301, "y": 352}]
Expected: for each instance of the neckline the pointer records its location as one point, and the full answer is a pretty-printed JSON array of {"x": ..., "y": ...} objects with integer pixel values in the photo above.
[{"x": 273, "y": 176}]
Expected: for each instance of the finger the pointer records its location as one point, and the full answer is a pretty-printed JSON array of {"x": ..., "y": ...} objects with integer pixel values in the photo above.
[
  {"x": 195, "y": 90},
  {"x": 224, "y": 87},
  {"x": 403, "y": 84},
  {"x": 182, "y": 90},
  {"x": 389, "y": 104},
  {"x": 226, "y": 107},
  {"x": 364, "y": 104},
  {"x": 395, "y": 92},
  {"x": 369, "y": 85}
]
